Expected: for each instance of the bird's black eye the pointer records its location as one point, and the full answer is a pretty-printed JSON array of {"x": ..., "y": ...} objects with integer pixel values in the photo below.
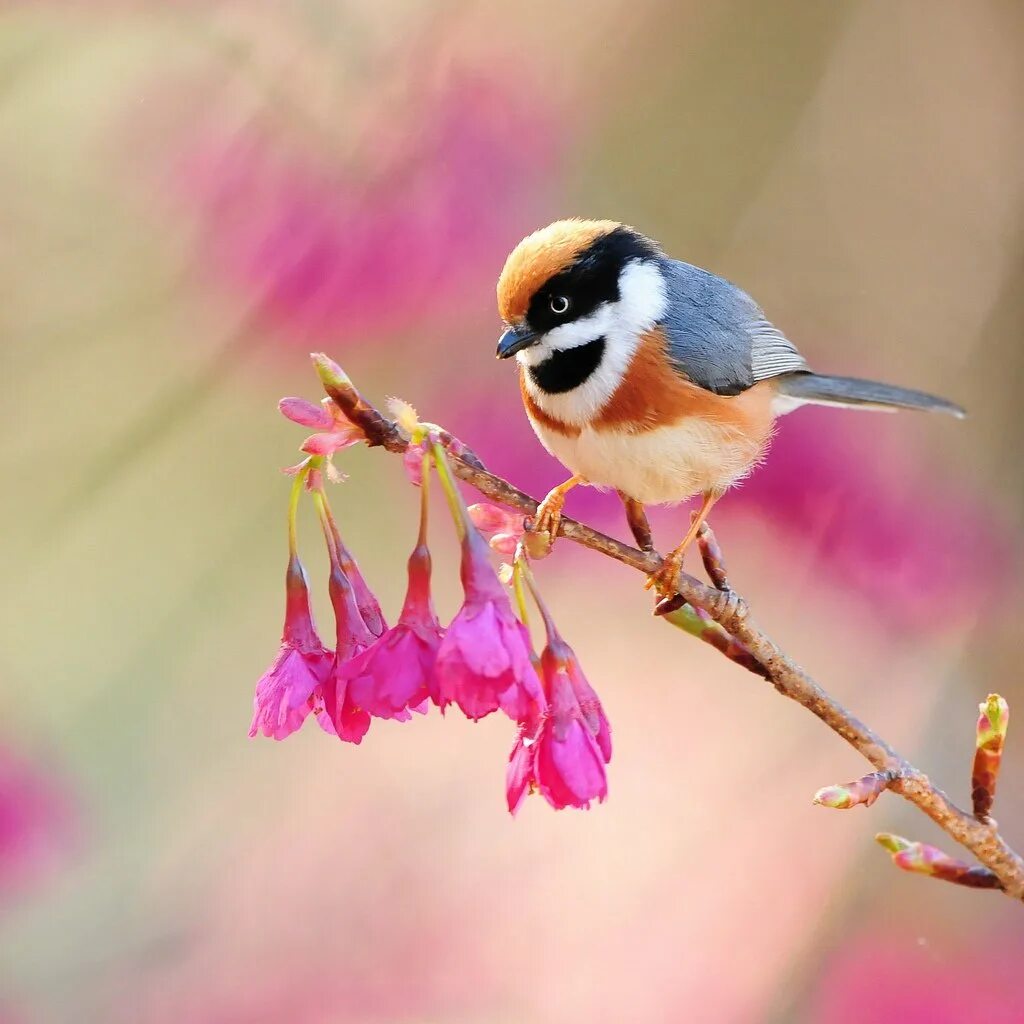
[{"x": 559, "y": 304}]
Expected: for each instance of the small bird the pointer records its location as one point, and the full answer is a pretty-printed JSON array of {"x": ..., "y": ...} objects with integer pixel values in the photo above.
[{"x": 652, "y": 376}]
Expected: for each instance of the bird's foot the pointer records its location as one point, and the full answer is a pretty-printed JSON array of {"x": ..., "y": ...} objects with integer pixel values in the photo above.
[
  {"x": 546, "y": 523},
  {"x": 663, "y": 579}
]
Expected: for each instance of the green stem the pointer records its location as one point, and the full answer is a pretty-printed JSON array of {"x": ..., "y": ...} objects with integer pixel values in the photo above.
[
  {"x": 320, "y": 500},
  {"x": 549, "y": 624},
  {"x": 293, "y": 510},
  {"x": 519, "y": 569},
  {"x": 323, "y": 511},
  {"x": 451, "y": 491}
]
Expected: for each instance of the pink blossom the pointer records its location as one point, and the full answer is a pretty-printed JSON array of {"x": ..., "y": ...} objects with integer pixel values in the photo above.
[
  {"x": 484, "y": 660},
  {"x": 329, "y": 442},
  {"x": 306, "y": 414},
  {"x": 520, "y": 777},
  {"x": 366, "y": 601},
  {"x": 488, "y": 518},
  {"x": 396, "y": 672},
  {"x": 412, "y": 463},
  {"x": 339, "y": 713},
  {"x": 339, "y": 251},
  {"x": 503, "y": 527},
  {"x": 285, "y": 692},
  {"x": 334, "y": 430},
  {"x": 565, "y": 758}
]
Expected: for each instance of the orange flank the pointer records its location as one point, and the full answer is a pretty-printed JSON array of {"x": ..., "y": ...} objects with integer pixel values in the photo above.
[
  {"x": 540, "y": 417},
  {"x": 653, "y": 393}
]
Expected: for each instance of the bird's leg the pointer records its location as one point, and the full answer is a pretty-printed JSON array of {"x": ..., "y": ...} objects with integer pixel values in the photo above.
[
  {"x": 549, "y": 511},
  {"x": 665, "y": 578},
  {"x": 638, "y": 524}
]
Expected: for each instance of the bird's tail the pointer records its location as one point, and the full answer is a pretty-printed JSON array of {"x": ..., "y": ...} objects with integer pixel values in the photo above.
[{"x": 818, "y": 389}]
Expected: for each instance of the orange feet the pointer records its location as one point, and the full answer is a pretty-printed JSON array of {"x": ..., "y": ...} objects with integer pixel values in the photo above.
[
  {"x": 664, "y": 580},
  {"x": 549, "y": 515}
]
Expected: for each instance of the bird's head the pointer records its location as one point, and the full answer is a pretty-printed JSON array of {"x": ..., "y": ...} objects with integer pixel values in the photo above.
[{"x": 577, "y": 283}]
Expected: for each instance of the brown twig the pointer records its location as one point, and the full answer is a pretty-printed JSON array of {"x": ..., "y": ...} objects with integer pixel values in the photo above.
[{"x": 730, "y": 612}]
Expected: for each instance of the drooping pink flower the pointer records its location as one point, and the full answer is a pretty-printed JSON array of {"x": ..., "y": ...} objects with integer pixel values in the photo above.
[
  {"x": 338, "y": 713},
  {"x": 285, "y": 692},
  {"x": 396, "y": 672},
  {"x": 365, "y": 599},
  {"x": 484, "y": 660},
  {"x": 565, "y": 757}
]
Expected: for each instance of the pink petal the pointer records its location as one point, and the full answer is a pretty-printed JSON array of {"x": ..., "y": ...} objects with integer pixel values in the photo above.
[
  {"x": 570, "y": 772},
  {"x": 412, "y": 463},
  {"x": 331, "y": 442},
  {"x": 520, "y": 773},
  {"x": 306, "y": 414},
  {"x": 489, "y": 518}
]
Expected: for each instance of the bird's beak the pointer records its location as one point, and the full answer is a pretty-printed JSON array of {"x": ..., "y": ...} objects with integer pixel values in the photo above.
[{"x": 515, "y": 339}]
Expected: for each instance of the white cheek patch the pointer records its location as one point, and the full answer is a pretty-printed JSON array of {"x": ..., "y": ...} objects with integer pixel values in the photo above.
[
  {"x": 643, "y": 297},
  {"x": 641, "y": 304},
  {"x": 582, "y": 332}
]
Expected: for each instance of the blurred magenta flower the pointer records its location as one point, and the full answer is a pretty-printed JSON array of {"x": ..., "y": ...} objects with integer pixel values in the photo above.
[
  {"x": 284, "y": 694},
  {"x": 939, "y": 548},
  {"x": 886, "y": 977},
  {"x": 419, "y": 215},
  {"x": 484, "y": 660},
  {"x": 36, "y": 822}
]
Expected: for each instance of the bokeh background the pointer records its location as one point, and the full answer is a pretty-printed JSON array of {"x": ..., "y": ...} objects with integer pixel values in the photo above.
[{"x": 193, "y": 196}]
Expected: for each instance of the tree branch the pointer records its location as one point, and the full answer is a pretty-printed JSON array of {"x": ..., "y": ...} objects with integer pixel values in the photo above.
[{"x": 730, "y": 612}]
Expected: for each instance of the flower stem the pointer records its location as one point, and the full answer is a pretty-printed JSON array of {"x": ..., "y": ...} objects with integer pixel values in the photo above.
[
  {"x": 526, "y": 575},
  {"x": 421, "y": 539},
  {"x": 293, "y": 509},
  {"x": 519, "y": 569},
  {"x": 323, "y": 511},
  {"x": 451, "y": 490},
  {"x": 325, "y": 523}
]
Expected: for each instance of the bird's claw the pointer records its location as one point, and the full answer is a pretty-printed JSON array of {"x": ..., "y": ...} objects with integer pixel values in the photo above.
[
  {"x": 663, "y": 579},
  {"x": 543, "y": 530}
]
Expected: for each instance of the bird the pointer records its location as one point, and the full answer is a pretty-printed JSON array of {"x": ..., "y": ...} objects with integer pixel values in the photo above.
[{"x": 653, "y": 377}]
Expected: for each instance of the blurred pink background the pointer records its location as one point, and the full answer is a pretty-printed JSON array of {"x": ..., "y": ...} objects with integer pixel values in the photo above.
[{"x": 193, "y": 197}]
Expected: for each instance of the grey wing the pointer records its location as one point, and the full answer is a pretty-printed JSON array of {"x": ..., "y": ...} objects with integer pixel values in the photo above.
[{"x": 718, "y": 337}]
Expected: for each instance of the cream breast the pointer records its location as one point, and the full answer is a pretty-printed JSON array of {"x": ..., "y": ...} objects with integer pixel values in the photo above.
[{"x": 660, "y": 466}]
